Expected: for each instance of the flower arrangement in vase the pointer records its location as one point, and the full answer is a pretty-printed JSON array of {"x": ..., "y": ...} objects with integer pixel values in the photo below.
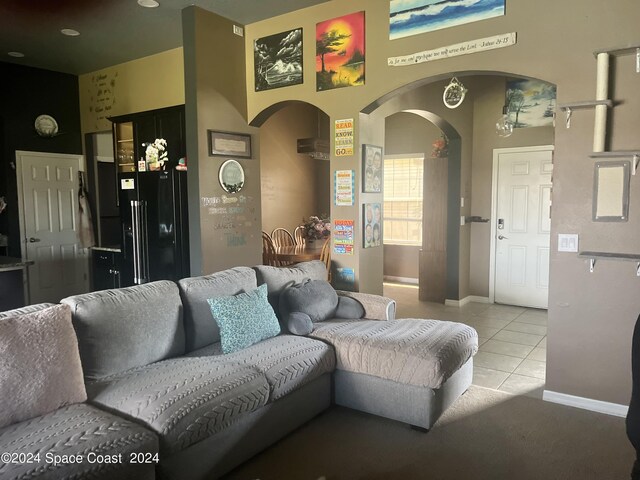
[
  {"x": 156, "y": 154},
  {"x": 316, "y": 228},
  {"x": 440, "y": 147}
]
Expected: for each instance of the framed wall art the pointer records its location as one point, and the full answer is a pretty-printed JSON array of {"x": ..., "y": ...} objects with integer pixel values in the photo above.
[
  {"x": 371, "y": 225},
  {"x": 371, "y": 169},
  {"x": 278, "y": 60},
  {"x": 228, "y": 144}
]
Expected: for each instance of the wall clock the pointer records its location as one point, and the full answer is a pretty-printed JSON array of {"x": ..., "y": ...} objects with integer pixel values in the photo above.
[{"x": 46, "y": 126}]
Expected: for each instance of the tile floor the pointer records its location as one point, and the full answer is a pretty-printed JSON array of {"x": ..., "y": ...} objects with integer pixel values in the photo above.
[{"x": 513, "y": 340}]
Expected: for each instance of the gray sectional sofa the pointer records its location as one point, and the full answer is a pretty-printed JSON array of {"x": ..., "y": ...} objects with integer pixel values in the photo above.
[{"x": 161, "y": 400}]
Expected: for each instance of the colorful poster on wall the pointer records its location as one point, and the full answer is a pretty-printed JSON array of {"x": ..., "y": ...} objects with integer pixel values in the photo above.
[
  {"x": 344, "y": 279},
  {"x": 343, "y": 137},
  {"x": 343, "y": 237},
  {"x": 531, "y": 103},
  {"x": 344, "y": 187},
  {"x": 340, "y": 52},
  {"x": 278, "y": 60},
  {"x": 371, "y": 225},
  {"x": 412, "y": 17}
]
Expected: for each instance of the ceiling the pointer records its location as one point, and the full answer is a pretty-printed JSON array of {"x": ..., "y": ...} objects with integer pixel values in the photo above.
[{"x": 111, "y": 31}]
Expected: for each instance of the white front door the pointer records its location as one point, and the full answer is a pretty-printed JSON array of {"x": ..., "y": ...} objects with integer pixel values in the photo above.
[
  {"x": 48, "y": 190},
  {"x": 522, "y": 225}
]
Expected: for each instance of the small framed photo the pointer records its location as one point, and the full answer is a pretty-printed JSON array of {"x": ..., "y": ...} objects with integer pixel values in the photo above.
[
  {"x": 228, "y": 144},
  {"x": 371, "y": 169},
  {"x": 371, "y": 225}
]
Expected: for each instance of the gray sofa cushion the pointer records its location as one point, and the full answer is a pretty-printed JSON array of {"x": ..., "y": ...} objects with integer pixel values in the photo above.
[
  {"x": 184, "y": 400},
  {"x": 78, "y": 429},
  {"x": 424, "y": 353},
  {"x": 40, "y": 368},
  {"x": 200, "y": 328},
  {"x": 287, "y": 361},
  {"x": 316, "y": 298},
  {"x": 277, "y": 278},
  {"x": 127, "y": 327}
]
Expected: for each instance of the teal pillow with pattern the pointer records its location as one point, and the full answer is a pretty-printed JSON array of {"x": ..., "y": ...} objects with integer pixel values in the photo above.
[{"x": 244, "y": 319}]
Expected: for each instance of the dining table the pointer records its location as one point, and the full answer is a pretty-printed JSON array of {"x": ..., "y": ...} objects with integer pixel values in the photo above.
[{"x": 298, "y": 253}]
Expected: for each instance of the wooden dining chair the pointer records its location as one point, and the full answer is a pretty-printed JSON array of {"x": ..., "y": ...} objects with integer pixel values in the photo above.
[
  {"x": 268, "y": 251},
  {"x": 281, "y": 237},
  {"x": 325, "y": 256},
  {"x": 298, "y": 235}
]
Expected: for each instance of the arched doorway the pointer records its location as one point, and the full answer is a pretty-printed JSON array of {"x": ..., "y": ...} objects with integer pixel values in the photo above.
[{"x": 295, "y": 180}]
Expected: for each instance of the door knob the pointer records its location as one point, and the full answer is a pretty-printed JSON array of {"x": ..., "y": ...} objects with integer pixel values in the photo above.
[
  {"x": 33, "y": 240},
  {"x": 502, "y": 237}
]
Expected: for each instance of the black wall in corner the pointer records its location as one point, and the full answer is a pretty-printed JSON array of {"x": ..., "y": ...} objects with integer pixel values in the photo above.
[{"x": 26, "y": 93}]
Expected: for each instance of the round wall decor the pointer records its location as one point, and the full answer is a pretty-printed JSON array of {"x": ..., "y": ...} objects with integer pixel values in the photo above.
[
  {"x": 454, "y": 93},
  {"x": 46, "y": 126}
]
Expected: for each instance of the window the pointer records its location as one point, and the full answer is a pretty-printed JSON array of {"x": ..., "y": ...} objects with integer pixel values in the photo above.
[{"x": 402, "y": 212}]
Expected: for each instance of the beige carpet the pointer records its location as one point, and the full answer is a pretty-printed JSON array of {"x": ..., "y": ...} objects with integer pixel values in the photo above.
[{"x": 486, "y": 435}]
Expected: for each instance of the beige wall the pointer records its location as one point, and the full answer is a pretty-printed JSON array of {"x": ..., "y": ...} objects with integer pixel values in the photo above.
[
  {"x": 591, "y": 316},
  {"x": 294, "y": 185},
  {"x": 224, "y": 228},
  {"x": 147, "y": 83}
]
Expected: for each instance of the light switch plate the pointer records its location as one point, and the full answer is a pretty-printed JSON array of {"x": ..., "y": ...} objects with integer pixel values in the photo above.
[{"x": 567, "y": 242}]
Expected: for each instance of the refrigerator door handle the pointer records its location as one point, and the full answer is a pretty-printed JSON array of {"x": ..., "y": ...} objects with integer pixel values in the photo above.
[
  {"x": 144, "y": 257},
  {"x": 135, "y": 233}
]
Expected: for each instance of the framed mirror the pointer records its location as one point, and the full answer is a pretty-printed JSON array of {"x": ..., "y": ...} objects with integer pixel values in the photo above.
[
  {"x": 231, "y": 176},
  {"x": 611, "y": 192}
]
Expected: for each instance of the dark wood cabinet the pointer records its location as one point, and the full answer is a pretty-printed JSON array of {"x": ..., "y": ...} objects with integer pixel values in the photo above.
[
  {"x": 131, "y": 134},
  {"x": 105, "y": 269}
]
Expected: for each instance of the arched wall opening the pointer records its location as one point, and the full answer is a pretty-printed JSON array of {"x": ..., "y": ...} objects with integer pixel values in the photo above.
[
  {"x": 474, "y": 121},
  {"x": 294, "y": 185}
]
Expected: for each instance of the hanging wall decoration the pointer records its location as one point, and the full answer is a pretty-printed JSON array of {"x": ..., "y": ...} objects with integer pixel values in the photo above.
[
  {"x": 530, "y": 103},
  {"x": 340, "y": 52},
  {"x": 454, "y": 93},
  {"x": 278, "y": 60},
  {"x": 372, "y": 169},
  {"x": 372, "y": 225},
  {"x": 412, "y": 17}
]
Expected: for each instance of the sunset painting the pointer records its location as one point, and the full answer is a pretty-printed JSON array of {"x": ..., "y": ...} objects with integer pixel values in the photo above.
[
  {"x": 340, "y": 52},
  {"x": 411, "y": 17}
]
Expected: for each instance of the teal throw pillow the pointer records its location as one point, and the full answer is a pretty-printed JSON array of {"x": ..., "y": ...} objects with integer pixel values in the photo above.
[{"x": 244, "y": 319}]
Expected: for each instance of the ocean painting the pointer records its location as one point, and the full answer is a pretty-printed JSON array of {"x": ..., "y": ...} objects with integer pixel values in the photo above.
[
  {"x": 278, "y": 60},
  {"x": 412, "y": 17},
  {"x": 340, "y": 52},
  {"x": 531, "y": 103}
]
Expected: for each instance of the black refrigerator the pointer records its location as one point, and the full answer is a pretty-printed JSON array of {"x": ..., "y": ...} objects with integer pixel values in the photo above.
[{"x": 155, "y": 226}]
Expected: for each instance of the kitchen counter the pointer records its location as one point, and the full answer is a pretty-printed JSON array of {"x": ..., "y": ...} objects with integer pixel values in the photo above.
[
  {"x": 12, "y": 282},
  {"x": 11, "y": 263}
]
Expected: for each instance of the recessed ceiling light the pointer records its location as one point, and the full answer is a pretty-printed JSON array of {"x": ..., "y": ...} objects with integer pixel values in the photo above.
[
  {"x": 148, "y": 3},
  {"x": 16, "y": 54},
  {"x": 70, "y": 32}
]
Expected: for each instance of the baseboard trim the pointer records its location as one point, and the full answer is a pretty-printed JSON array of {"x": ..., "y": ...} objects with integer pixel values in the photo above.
[
  {"x": 586, "y": 403},
  {"x": 409, "y": 280},
  {"x": 465, "y": 300}
]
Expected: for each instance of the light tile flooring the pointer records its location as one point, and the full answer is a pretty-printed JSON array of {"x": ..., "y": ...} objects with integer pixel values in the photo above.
[{"x": 513, "y": 340}]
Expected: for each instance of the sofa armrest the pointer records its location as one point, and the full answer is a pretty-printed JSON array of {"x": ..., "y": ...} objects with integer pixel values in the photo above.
[{"x": 376, "y": 307}]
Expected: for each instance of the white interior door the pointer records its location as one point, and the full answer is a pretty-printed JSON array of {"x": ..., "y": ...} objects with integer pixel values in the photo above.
[
  {"x": 522, "y": 225},
  {"x": 48, "y": 185}
]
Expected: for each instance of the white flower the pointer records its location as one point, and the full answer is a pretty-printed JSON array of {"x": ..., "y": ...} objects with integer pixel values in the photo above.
[{"x": 153, "y": 152}]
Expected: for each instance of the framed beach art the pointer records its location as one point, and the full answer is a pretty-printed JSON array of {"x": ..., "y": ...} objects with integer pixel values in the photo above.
[
  {"x": 340, "y": 52},
  {"x": 413, "y": 17},
  {"x": 371, "y": 169},
  {"x": 278, "y": 60}
]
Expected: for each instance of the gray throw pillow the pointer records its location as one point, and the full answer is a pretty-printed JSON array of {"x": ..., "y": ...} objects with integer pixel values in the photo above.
[
  {"x": 40, "y": 368},
  {"x": 316, "y": 298},
  {"x": 349, "y": 308},
  {"x": 299, "y": 323}
]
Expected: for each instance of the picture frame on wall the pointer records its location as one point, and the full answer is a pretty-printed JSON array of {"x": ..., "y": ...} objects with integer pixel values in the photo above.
[
  {"x": 229, "y": 144},
  {"x": 371, "y": 169},
  {"x": 278, "y": 60},
  {"x": 371, "y": 225}
]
